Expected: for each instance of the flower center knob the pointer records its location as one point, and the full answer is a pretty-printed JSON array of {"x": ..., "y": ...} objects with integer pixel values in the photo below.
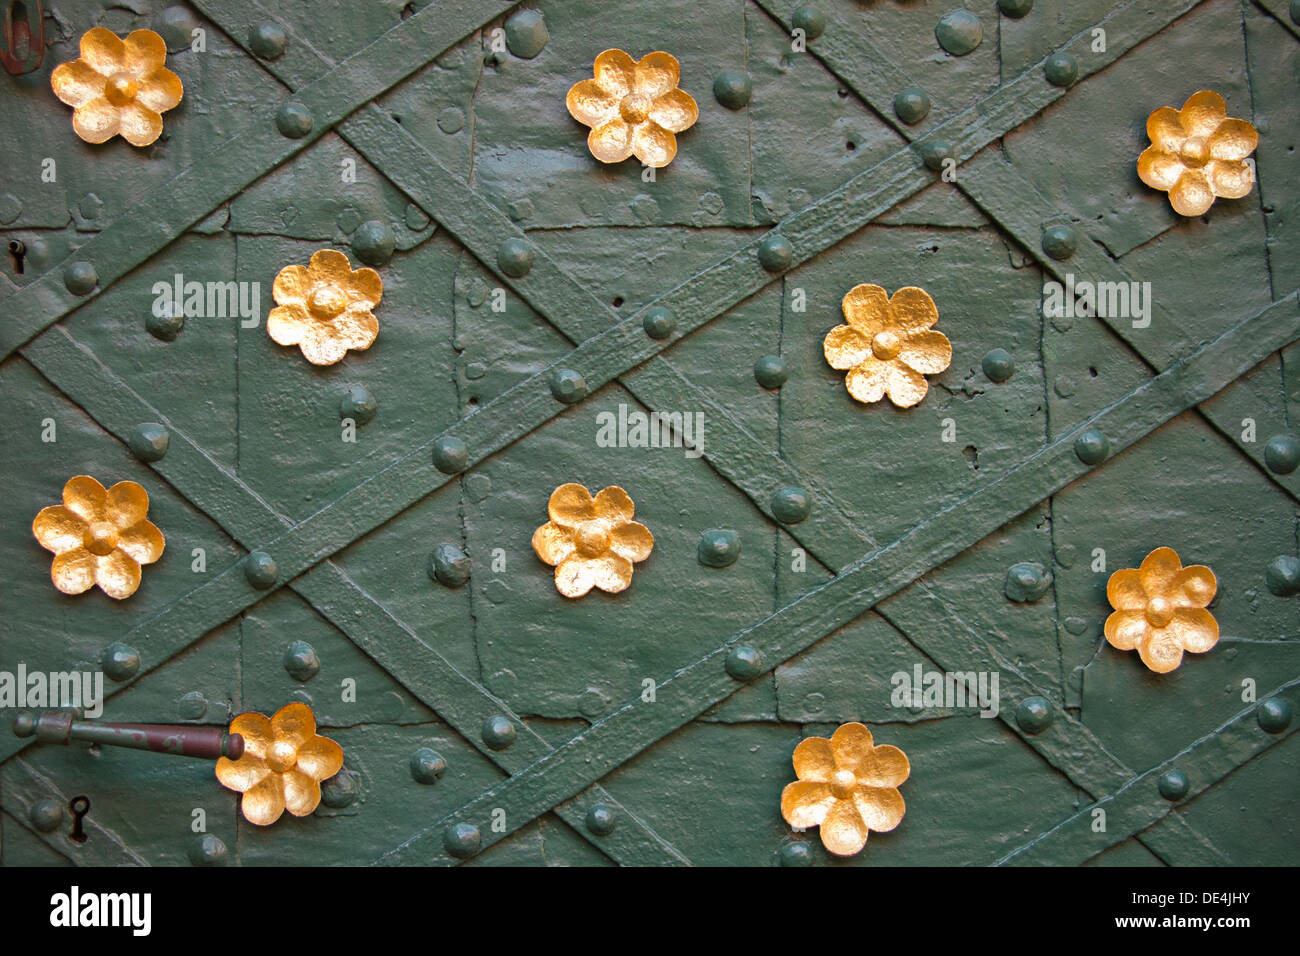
[
  {"x": 1159, "y": 611},
  {"x": 121, "y": 89},
  {"x": 100, "y": 538},
  {"x": 843, "y": 783},
  {"x": 1195, "y": 151},
  {"x": 281, "y": 756},
  {"x": 592, "y": 539},
  {"x": 885, "y": 345},
  {"x": 326, "y": 301},
  {"x": 635, "y": 108}
]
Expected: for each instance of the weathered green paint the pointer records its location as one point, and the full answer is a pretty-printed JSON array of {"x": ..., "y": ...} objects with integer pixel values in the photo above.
[{"x": 495, "y": 721}]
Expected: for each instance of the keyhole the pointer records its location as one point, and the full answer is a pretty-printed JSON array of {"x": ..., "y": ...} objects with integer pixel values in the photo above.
[
  {"x": 18, "y": 251},
  {"x": 79, "y": 807}
]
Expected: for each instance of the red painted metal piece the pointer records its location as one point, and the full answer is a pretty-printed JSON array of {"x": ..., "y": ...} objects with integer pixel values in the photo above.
[{"x": 24, "y": 36}]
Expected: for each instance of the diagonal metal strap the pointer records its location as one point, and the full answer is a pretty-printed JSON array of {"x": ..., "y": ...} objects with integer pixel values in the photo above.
[
  {"x": 240, "y": 512},
  {"x": 693, "y": 689},
  {"x": 1138, "y": 804},
  {"x": 229, "y": 167},
  {"x": 479, "y": 226},
  {"x": 1279, "y": 10},
  {"x": 26, "y": 786},
  {"x": 604, "y": 357},
  {"x": 1015, "y": 205},
  {"x": 1068, "y": 745}
]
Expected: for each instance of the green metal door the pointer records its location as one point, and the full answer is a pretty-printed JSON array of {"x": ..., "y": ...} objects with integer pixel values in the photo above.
[{"x": 982, "y": 157}]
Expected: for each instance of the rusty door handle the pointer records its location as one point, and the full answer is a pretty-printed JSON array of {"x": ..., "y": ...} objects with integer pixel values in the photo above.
[{"x": 63, "y": 727}]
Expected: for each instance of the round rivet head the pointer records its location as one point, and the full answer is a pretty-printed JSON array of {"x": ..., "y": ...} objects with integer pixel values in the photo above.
[
  {"x": 294, "y": 120},
  {"x": 998, "y": 366},
  {"x": 959, "y": 32},
  {"x": 358, "y": 404},
  {"x": 810, "y": 20},
  {"x": 775, "y": 253},
  {"x": 341, "y": 790},
  {"x": 601, "y": 820},
  {"x": 1172, "y": 785},
  {"x": 207, "y": 849},
  {"x": 744, "y": 663},
  {"x": 427, "y": 766},
  {"x": 526, "y": 34},
  {"x": 175, "y": 25},
  {"x": 593, "y": 703},
  {"x": 260, "y": 569},
  {"x": 80, "y": 277},
  {"x": 1282, "y": 454},
  {"x": 934, "y": 153},
  {"x": 718, "y": 549},
  {"x": 46, "y": 815},
  {"x": 450, "y": 456},
  {"x": 515, "y": 258},
  {"x": 795, "y": 854},
  {"x": 451, "y": 120},
  {"x": 166, "y": 323},
  {"x": 1092, "y": 447},
  {"x": 268, "y": 40},
  {"x": 659, "y": 323},
  {"x": 498, "y": 732},
  {"x": 1026, "y": 582},
  {"x": 461, "y": 840},
  {"x": 192, "y": 705},
  {"x": 732, "y": 89},
  {"x": 1274, "y": 715},
  {"x": 1059, "y": 242},
  {"x": 120, "y": 662},
  {"x": 1015, "y": 9},
  {"x": 1034, "y": 715},
  {"x": 791, "y": 505},
  {"x": 770, "y": 371},
  {"x": 301, "y": 661},
  {"x": 1283, "y": 576},
  {"x": 148, "y": 442},
  {"x": 449, "y": 565},
  {"x": 373, "y": 242},
  {"x": 568, "y": 386},
  {"x": 1061, "y": 69},
  {"x": 912, "y": 105}
]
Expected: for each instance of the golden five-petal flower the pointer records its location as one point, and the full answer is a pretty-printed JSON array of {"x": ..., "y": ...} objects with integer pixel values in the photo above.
[
  {"x": 99, "y": 537},
  {"x": 888, "y": 345},
  {"x": 633, "y": 107},
  {"x": 283, "y": 764},
  {"x": 1197, "y": 154},
  {"x": 591, "y": 542},
  {"x": 1160, "y": 609},
  {"x": 325, "y": 308},
  {"x": 847, "y": 787},
  {"x": 118, "y": 86}
]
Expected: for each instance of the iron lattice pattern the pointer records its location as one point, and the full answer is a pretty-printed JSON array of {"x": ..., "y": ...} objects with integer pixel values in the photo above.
[{"x": 625, "y": 702}]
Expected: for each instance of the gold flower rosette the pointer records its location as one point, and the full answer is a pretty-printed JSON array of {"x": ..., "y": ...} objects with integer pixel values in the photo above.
[
  {"x": 633, "y": 107},
  {"x": 99, "y": 537},
  {"x": 283, "y": 764},
  {"x": 118, "y": 86},
  {"x": 591, "y": 541}
]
